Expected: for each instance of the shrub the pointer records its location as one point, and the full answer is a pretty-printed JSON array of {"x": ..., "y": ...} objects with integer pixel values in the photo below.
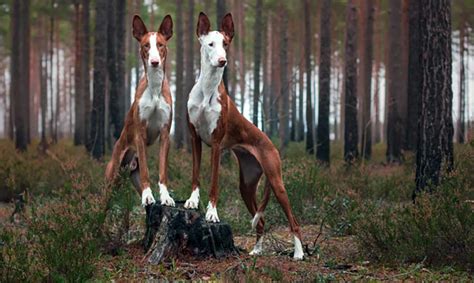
[{"x": 438, "y": 229}]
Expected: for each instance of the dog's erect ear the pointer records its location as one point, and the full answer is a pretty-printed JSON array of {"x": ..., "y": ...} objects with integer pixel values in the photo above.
[
  {"x": 227, "y": 25},
  {"x": 203, "y": 26},
  {"x": 166, "y": 27},
  {"x": 138, "y": 27}
]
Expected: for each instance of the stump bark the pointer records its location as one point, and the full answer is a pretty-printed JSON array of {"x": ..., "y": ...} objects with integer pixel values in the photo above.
[{"x": 175, "y": 231}]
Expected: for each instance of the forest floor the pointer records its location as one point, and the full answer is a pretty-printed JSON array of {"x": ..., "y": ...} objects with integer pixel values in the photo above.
[
  {"x": 350, "y": 219},
  {"x": 335, "y": 258}
]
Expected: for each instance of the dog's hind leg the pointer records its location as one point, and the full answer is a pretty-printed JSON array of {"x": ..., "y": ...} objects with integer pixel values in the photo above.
[
  {"x": 250, "y": 173},
  {"x": 272, "y": 170}
]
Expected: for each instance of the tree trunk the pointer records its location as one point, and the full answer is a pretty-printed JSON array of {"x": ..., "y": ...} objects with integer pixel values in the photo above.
[
  {"x": 20, "y": 60},
  {"x": 365, "y": 90},
  {"x": 122, "y": 93},
  {"x": 180, "y": 118},
  {"x": 435, "y": 147},
  {"x": 174, "y": 231},
  {"x": 378, "y": 59},
  {"x": 350, "y": 87},
  {"x": 100, "y": 76},
  {"x": 86, "y": 97},
  {"x": 462, "y": 79},
  {"x": 414, "y": 74},
  {"x": 190, "y": 79},
  {"x": 307, "y": 56},
  {"x": 257, "y": 55},
  {"x": 241, "y": 52},
  {"x": 58, "y": 87},
  {"x": 301, "y": 96},
  {"x": 115, "y": 100},
  {"x": 220, "y": 12},
  {"x": 267, "y": 76},
  {"x": 395, "y": 127},
  {"x": 78, "y": 88},
  {"x": 284, "y": 90},
  {"x": 322, "y": 145}
]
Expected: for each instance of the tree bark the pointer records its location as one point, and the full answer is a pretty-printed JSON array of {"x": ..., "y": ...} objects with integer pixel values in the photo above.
[
  {"x": 220, "y": 12},
  {"x": 414, "y": 74},
  {"x": 190, "y": 78},
  {"x": 284, "y": 90},
  {"x": 180, "y": 118},
  {"x": 322, "y": 145},
  {"x": 366, "y": 55},
  {"x": 435, "y": 146},
  {"x": 307, "y": 55},
  {"x": 350, "y": 87},
  {"x": 78, "y": 87},
  {"x": 100, "y": 75},
  {"x": 462, "y": 79},
  {"x": 395, "y": 127},
  {"x": 120, "y": 64},
  {"x": 116, "y": 101},
  {"x": 85, "y": 66},
  {"x": 20, "y": 60},
  {"x": 257, "y": 51}
]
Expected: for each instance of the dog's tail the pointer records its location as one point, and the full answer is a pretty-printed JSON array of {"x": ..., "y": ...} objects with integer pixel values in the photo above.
[{"x": 263, "y": 205}]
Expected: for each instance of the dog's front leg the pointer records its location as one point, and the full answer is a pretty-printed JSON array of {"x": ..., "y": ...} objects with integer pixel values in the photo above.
[
  {"x": 193, "y": 201},
  {"x": 147, "y": 195},
  {"x": 165, "y": 197},
  {"x": 211, "y": 215}
]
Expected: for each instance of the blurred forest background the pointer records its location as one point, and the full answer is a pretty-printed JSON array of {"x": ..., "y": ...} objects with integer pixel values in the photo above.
[
  {"x": 370, "y": 102},
  {"x": 285, "y": 73}
]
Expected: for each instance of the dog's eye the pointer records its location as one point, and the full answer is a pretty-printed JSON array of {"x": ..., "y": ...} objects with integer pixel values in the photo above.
[
  {"x": 211, "y": 44},
  {"x": 147, "y": 45},
  {"x": 160, "y": 45},
  {"x": 225, "y": 44}
]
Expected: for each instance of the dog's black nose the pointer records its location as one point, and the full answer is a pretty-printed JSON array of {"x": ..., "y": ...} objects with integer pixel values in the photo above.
[
  {"x": 222, "y": 62},
  {"x": 154, "y": 63}
]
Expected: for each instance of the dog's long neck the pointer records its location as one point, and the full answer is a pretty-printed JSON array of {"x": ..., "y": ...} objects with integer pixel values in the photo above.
[
  {"x": 154, "y": 77},
  {"x": 210, "y": 77}
]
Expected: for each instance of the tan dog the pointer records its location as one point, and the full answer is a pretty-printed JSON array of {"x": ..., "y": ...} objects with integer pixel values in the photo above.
[
  {"x": 214, "y": 119},
  {"x": 149, "y": 117}
]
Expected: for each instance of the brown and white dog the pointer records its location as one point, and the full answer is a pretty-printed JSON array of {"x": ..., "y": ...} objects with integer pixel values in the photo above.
[
  {"x": 149, "y": 117},
  {"x": 214, "y": 119}
]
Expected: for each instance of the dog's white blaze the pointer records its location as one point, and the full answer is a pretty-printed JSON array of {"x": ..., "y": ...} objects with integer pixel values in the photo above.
[
  {"x": 299, "y": 254},
  {"x": 258, "y": 248},
  {"x": 211, "y": 214},
  {"x": 153, "y": 54},
  {"x": 193, "y": 201},
  {"x": 147, "y": 197},
  {"x": 217, "y": 50},
  {"x": 165, "y": 197}
]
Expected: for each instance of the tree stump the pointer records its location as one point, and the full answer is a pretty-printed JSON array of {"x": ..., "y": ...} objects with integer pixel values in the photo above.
[{"x": 175, "y": 231}]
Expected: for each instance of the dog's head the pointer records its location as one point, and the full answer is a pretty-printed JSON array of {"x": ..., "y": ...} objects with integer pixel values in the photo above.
[
  {"x": 153, "y": 44},
  {"x": 214, "y": 44}
]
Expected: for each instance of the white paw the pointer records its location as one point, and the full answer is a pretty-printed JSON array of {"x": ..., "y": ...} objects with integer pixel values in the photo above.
[
  {"x": 211, "y": 214},
  {"x": 258, "y": 248},
  {"x": 165, "y": 197},
  {"x": 299, "y": 254},
  {"x": 147, "y": 197},
  {"x": 193, "y": 201}
]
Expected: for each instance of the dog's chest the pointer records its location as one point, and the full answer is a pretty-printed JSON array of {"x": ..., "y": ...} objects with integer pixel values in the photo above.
[
  {"x": 155, "y": 111},
  {"x": 204, "y": 112}
]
